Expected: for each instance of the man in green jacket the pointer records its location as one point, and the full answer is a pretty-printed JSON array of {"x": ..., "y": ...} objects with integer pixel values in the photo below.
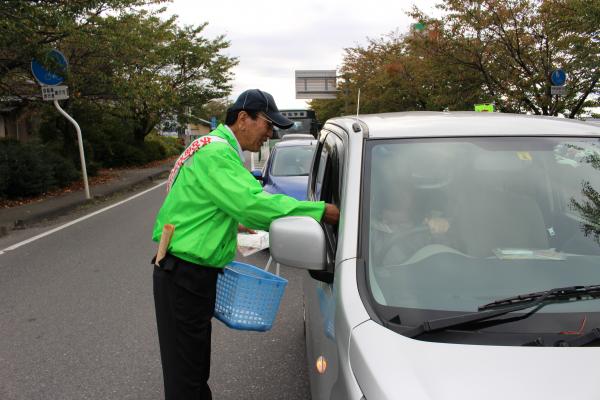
[{"x": 210, "y": 193}]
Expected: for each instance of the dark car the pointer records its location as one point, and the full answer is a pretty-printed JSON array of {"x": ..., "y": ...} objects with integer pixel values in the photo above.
[{"x": 286, "y": 170}]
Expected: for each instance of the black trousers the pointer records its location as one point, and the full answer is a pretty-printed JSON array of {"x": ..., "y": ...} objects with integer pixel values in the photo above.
[{"x": 184, "y": 298}]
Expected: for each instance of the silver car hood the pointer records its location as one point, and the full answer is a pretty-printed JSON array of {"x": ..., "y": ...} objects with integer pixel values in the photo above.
[{"x": 388, "y": 365}]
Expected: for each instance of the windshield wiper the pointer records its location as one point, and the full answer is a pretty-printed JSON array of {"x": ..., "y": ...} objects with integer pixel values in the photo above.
[
  {"x": 508, "y": 305},
  {"x": 569, "y": 292}
]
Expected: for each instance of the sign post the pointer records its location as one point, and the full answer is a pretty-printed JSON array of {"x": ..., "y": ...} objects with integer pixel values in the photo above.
[
  {"x": 558, "y": 79},
  {"x": 316, "y": 84},
  {"x": 49, "y": 80},
  {"x": 558, "y": 90}
]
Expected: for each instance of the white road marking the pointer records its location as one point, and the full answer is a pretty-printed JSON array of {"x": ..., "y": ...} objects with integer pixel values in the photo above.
[{"x": 51, "y": 231}]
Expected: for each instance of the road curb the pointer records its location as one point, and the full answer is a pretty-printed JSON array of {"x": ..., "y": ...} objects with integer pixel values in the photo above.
[{"x": 31, "y": 215}]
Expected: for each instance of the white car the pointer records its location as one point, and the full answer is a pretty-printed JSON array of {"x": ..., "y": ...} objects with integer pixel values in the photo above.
[
  {"x": 466, "y": 264},
  {"x": 297, "y": 136}
]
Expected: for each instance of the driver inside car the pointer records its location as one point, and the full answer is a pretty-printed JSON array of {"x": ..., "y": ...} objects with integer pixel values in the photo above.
[{"x": 401, "y": 223}]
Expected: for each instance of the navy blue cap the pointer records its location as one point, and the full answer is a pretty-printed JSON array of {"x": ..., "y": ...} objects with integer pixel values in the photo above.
[{"x": 257, "y": 100}]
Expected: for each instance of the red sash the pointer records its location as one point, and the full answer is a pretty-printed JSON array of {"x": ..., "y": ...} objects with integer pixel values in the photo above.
[{"x": 191, "y": 149}]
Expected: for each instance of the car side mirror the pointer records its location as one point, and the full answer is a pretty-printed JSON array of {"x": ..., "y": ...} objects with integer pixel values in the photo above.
[
  {"x": 298, "y": 242},
  {"x": 257, "y": 173}
]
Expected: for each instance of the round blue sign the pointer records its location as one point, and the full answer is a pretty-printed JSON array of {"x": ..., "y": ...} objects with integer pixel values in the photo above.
[
  {"x": 46, "y": 77},
  {"x": 558, "y": 77}
]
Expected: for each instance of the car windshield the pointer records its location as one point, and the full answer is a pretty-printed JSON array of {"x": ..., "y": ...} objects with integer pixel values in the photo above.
[
  {"x": 292, "y": 161},
  {"x": 300, "y": 126},
  {"x": 452, "y": 224}
]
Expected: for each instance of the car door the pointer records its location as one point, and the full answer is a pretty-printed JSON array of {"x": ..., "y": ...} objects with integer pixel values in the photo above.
[
  {"x": 324, "y": 185},
  {"x": 266, "y": 172}
]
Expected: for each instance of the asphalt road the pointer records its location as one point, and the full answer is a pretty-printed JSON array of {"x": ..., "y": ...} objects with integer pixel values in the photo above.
[{"x": 77, "y": 317}]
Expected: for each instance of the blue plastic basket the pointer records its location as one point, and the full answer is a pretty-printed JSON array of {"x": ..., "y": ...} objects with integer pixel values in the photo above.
[{"x": 248, "y": 297}]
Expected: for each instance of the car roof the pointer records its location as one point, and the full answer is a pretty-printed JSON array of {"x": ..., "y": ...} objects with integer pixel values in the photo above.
[
  {"x": 296, "y": 142},
  {"x": 463, "y": 123},
  {"x": 295, "y": 136}
]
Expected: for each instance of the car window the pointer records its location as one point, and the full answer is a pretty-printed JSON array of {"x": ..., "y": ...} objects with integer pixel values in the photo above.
[
  {"x": 326, "y": 183},
  {"x": 489, "y": 218},
  {"x": 322, "y": 160},
  {"x": 300, "y": 126},
  {"x": 293, "y": 161}
]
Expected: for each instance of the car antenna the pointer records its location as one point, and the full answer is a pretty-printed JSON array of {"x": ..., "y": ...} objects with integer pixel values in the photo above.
[{"x": 356, "y": 125}]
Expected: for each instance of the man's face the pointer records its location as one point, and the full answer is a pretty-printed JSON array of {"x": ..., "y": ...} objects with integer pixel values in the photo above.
[{"x": 257, "y": 132}]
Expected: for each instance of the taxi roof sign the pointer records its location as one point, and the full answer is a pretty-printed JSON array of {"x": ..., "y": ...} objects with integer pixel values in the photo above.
[{"x": 486, "y": 107}]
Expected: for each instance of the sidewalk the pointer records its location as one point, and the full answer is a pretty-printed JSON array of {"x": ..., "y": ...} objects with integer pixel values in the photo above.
[{"x": 13, "y": 217}]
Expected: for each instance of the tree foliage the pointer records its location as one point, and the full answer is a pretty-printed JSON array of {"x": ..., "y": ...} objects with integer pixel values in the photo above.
[
  {"x": 589, "y": 210},
  {"x": 500, "y": 51},
  {"x": 515, "y": 45},
  {"x": 30, "y": 28},
  {"x": 124, "y": 60},
  {"x": 216, "y": 108},
  {"x": 394, "y": 74},
  {"x": 148, "y": 69}
]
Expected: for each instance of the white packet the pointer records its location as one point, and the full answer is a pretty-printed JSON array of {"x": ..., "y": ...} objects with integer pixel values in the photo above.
[{"x": 250, "y": 243}]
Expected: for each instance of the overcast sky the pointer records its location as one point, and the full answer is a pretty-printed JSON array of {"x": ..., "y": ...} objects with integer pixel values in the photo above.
[{"x": 272, "y": 38}]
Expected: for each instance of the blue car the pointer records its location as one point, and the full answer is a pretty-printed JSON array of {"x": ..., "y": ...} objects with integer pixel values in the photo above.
[{"x": 286, "y": 170}]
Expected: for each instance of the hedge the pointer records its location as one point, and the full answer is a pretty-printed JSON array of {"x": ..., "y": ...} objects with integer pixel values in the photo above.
[{"x": 29, "y": 169}]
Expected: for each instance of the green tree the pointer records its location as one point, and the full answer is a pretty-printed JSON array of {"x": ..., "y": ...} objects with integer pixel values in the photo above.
[
  {"x": 588, "y": 207},
  {"x": 589, "y": 211},
  {"x": 129, "y": 68},
  {"x": 30, "y": 28},
  {"x": 394, "y": 73},
  {"x": 148, "y": 69},
  {"x": 500, "y": 51},
  {"x": 330, "y": 108},
  {"x": 217, "y": 108},
  {"x": 515, "y": 45}
]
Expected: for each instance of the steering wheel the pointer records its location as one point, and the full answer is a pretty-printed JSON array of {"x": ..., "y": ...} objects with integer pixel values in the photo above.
[{"x": 395, "y": 237}]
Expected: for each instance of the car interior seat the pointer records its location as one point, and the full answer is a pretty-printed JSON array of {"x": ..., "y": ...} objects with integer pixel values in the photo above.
[{"x": 491, "y": 219}]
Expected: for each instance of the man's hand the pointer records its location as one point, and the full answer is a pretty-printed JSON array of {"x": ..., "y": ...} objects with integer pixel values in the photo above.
[
  {"x": 243, "y": 229},
  {"x": 437, "y": 225},
  {"x": 331, "y": 214}
]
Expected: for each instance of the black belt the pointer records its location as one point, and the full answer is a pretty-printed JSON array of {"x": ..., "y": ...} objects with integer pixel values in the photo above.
[{"x": 171, "y": 262}]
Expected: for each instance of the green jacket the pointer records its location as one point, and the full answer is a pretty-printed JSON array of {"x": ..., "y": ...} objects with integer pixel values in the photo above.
[{"x": 211, "y": 195}]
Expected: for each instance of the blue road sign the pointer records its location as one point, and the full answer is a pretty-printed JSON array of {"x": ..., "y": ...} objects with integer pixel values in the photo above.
[
  {"x": 558, "y": 77},
  {"x": 213, "y": 122},
  {"x": 46, "y": 77}
]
